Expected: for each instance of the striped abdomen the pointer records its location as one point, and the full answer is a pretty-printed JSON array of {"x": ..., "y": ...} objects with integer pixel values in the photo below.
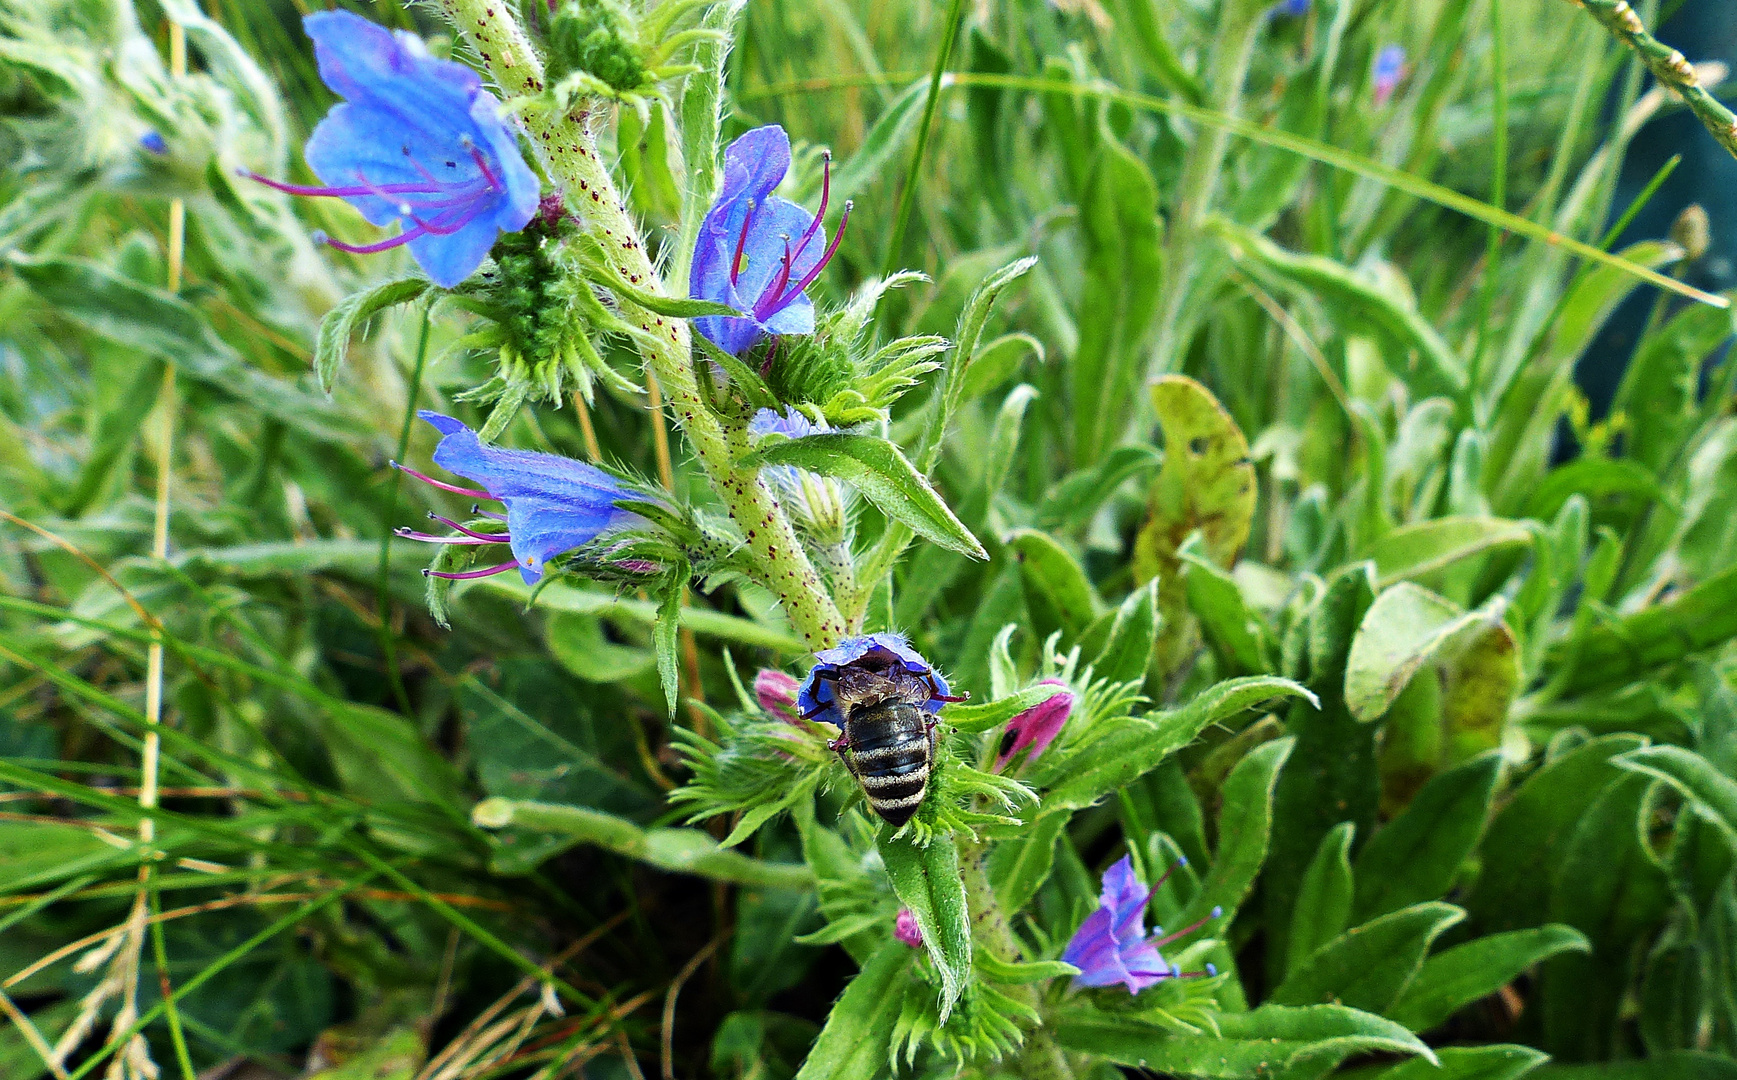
[{"x": 891, "y": 748}]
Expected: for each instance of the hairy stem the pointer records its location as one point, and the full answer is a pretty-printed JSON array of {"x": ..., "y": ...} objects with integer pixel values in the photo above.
[
  {"x": 1668, "y": 65},
  {"x": 1040, "y": 1058},
  {"x": 568, "y": 152}
]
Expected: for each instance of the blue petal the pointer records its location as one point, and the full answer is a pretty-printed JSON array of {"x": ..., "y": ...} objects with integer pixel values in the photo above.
[
  {"x": 1125, "y": 899},
  {"x": 360, "y": 60},
  {"x": 755, "y": 164},
  {"x": 795, "y": 317},
  {"x": 773, "y": 228},
  {"x": 501, "y": 147},
  {"x": 542, "y": 529},
  {"x": 449, "y": 259},
  {"x": 513, "y": 473}
]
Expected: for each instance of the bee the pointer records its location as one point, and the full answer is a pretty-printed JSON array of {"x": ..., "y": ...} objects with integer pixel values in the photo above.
[{"x": 888, "y": 740}]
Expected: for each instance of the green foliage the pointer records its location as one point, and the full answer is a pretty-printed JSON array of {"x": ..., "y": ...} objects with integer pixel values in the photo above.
[{"x": 1198, "y": 403}]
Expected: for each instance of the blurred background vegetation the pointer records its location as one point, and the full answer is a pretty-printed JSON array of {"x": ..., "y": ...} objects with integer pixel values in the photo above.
[{"x": 1526, "y": 581}]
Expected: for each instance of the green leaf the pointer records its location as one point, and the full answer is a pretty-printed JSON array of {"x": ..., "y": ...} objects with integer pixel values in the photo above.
[
  {"x": 666, "y": 639},
  {"x": 680, "y": 851},
  {"x": 1207, "y": 482},
  {"x": 121, "y": 310},
  {"x": 1416, "y": 855},
  {"x": 1595, "y": 478},
  {"x": 1454, "y": 978},
  {"x": 1369, "y": 966},
  {"x": 975, "y": 718},
  {"x": 1407, "y": 627},
  {"x": 858, "y": 1030},
  {"x": 927, "y": 881},
  {"x": 1676, "y": 1065},
  {"x": 1250, "y": 1046},
  {"x": 333, "y": 340},
  {"x": 1415, "y": 550},
  {"x": 1077, "y": 497},
  {"x": 1694, "y": 776},
  {"x": 1114, "y": 753},
  {"x": 1057, "y": 592},
  {"x": 1660, "y": 391},
  {"x": 1122, "y": 241},
  {"x": 876, "y": 468},
  {"x": 742, "y": 376},
  {"x": 561, "y": 596},
  {"x": 1243, "y": 826},
  {"x": 1323, "y": 905},
  {"x": 969, "y": 333},
  {"x": 1361, "y": 302},
  {"x": 1499, "y": 1062},
  {"x": 1524, "y": 843},
  {"x": 1237, "y": 633},
  {"x": 1619, "y": 651},
  {"x": 674, "y": 307},
  {"x": 1609, "y": 885},
  {"x": 1128, "y": 651},
  {"x": 1020, "y": 864}
]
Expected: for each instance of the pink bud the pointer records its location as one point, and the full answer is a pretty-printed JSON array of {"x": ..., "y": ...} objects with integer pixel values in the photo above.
[
  {"x": 905, "y": 929},
  {"x": 776, "y": 692},
  {"x": 1037, "y": 726}
]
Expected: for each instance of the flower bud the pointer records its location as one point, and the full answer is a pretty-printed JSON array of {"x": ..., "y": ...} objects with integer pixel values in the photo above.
[
  {"x": 1692, "y": 231},
  {"x": 905, "y": 929},
  {"x": 776, "y": 692},
  {"x": 1037, "y": 726}
]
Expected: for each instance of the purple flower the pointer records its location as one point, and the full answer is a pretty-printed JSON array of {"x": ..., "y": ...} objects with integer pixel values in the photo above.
[
  {"x": 554, "y": 504},
  {"x": 1111, "y": 946},
  {"x": 757, "y": 252},
  {"x": 776, "y": 692},
  {"x": 417, "y": 141},
  {"x": 1389, "y": 69},
  {"x": 1037, "y": 726},
  {"x": 905, "y": 929},
  {"x": 874, "y": 652}
]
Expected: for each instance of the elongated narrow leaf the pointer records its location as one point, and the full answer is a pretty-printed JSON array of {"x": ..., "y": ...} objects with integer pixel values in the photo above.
[
  {"x": 1611, "y": 654},
  {"x": 860, "y": 1026},
  {"x": 1456, "y": 977},
  {"x": 1500, "y": 1062},
  {"x": 1323, "y": 904},
  {"x": 1243, "y": 828},
  {"x": 1057, "y": 592},
  {"x": 333, "y": 341},
  {"x": 1369, "y": 966},
  {"x": 1693, "y": 775},
  {"x": 1416, "y": 855},
  {"x": 1251, "y": 1045},
  {"x": 1117, "y": 752},
  {"x": 992, "y": 713},
  {"x": 877, "y": 469},
  {"x": 927, "y": 881}
]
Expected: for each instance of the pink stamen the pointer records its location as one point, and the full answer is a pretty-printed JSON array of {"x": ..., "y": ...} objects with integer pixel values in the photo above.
[
  {"x": 476, "y": 156},
  {"x": 1186, "y": 930},
  {"x": 376, "y": 247},
  {"x": 741, "y": 242},
  {"x": 342, "y": 192},
  {"x": 480, "y": 512},
  {"x": 470, "y": 574},
  {"x": 472, "y": 492},
  {"x": 762, "y": 309},
  {"x": 430, "y": 538},
  {"x": 489, "y": 538},
  {"x": 820, "y": 214},
  {"x": 1175, "y": 866},
  {"x": 808, "y": 278}
]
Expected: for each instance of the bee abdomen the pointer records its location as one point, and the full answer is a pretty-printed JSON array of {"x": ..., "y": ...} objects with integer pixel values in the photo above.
[{"x": 893, "y": 752}]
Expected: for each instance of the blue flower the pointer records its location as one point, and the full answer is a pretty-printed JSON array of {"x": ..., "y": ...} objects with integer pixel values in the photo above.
[
  {"x": 417, "y": 141},
  {"x": 1294, "y": 9},
  {"x": 1389, "y": 69},
  {"x": 787, "y": 480},
  {"x": 554, "y": 504},
  {"x": 1111, "y": 946},
  {"x": 757, "y": 252},
  {"x": 154, "y": 143},
  {"x": 815, "y": 700}
]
